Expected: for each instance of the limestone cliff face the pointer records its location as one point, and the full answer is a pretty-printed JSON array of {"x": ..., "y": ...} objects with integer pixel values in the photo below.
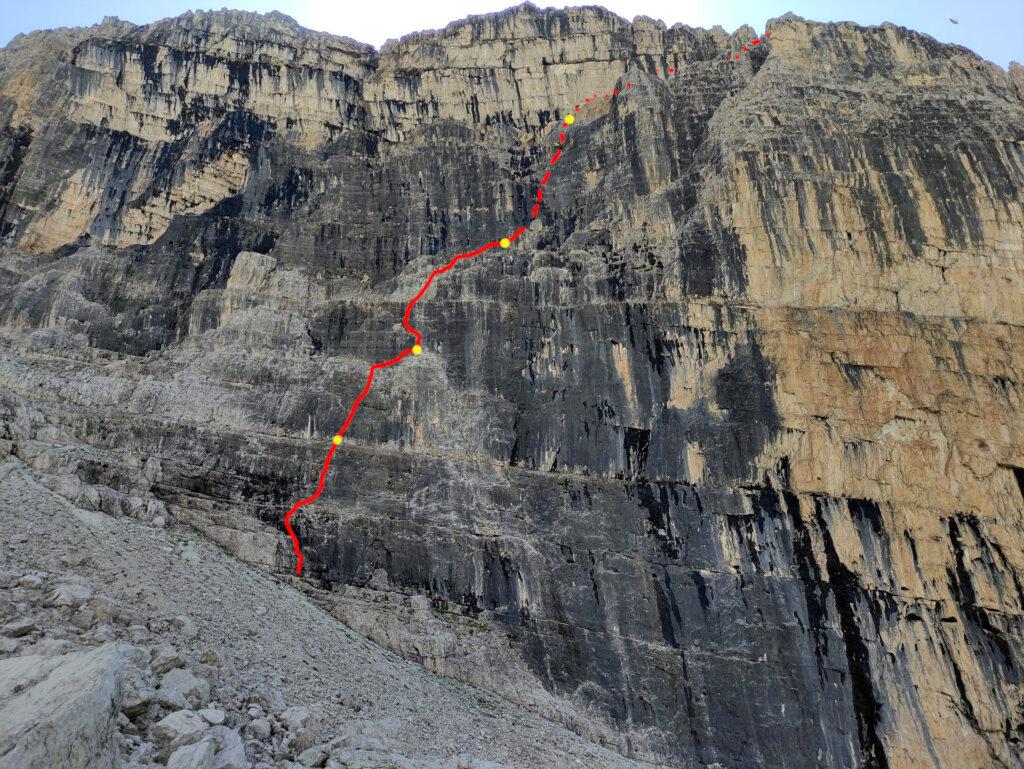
[{"x": 722, "y": 465}]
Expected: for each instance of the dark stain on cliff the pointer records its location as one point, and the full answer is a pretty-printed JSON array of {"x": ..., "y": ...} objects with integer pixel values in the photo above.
[
  {"x": 712, "y": 261},
  {"x": 983, "y": 625},
  {"x": 849, "y": 596},
  {"x": 731, "y": 436},
  {"x": 14, "y": 146}
]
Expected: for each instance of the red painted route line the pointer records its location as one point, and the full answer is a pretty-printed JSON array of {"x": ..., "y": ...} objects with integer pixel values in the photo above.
[{"x": 418, "y": 337}]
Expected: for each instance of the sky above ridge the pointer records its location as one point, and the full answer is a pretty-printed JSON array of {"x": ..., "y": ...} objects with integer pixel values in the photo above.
[{"x": 992, "y": 28}]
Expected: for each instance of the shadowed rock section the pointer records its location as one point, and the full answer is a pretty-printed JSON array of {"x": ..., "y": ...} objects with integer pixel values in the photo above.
[{"x": 721, "y": 464}]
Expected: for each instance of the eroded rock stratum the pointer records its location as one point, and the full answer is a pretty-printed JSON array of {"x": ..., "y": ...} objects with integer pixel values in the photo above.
[{"x": 722, "y": 464}]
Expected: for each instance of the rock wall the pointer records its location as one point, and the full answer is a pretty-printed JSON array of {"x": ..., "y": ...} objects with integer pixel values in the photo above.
[{"x": 728, "y": 447}]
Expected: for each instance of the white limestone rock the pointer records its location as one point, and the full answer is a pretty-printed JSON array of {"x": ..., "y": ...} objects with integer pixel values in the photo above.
[
  {"x": 195, "y": 690},
  {"x": 31, "y": 582},
  {"x": 165, "y": 658},
  {"x": 19, "y": 628},
  {"x": 183, "y": 727},
  {"x": 198, "y": 756},
  {"x": 60, "y": 711},
  {"x": 230, "y": 751},
  {"x": 70, "y": 594},
  {"x": 213, "y": 716}
]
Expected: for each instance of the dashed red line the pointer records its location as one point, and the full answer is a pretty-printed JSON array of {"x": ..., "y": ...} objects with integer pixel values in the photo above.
[{"x": 415, "y": 349}]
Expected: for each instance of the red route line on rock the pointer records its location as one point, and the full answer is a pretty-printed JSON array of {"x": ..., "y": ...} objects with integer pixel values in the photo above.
[{"x": 415, "y": 349}]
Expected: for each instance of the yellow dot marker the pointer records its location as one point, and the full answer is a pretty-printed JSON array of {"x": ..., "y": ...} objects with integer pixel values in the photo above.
[
  {"x": 570, "y": 119},
  {"x": 337, "y": 440},
  {"x": 417, "y": 350},
  {"x": 505, "y": 243}
]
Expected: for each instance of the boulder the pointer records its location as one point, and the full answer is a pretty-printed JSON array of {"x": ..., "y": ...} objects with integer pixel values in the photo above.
[
  {"x": 138, "y": 655},
  {"x": 196, "y": 691},
  {"x": 208, "y": 672},
  {"x": 181, "y": 728},
  {"x": 137, "y": 695},
  {"x": 212, "y": 716},
  {"x": 271, "y": 697},
  {"x": 314, "y": 757},
  {"x": 258, "y": 729},
  {"x": 84, "y": 618},
  {"x": 60, "y": 711},
  {"x": 171, "y": 699},
  {"x": 104, "y": 633},
  {"x": 297, "y": 717},
  {"x": 104, "y": 608},
  {"x": 197, "y": 756},
  {"x": 70, "y": 594},
  {"x": 213, "y": 658},
  {"x": 31, "y": 582},
  {"x": 305, "y": 726},
  {"x": 50, "y": 647},
  {"x": 165, "y": 658},
  {"x": 230, "y": 751},
  {"x": 19, "y": 627}
]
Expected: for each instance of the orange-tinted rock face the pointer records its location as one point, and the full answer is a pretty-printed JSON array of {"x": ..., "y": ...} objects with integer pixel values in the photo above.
[{"x": 722, "y": 463}]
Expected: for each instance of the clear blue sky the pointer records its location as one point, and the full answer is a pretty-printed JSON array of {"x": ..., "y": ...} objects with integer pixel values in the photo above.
[{"x": 992, "y": 28}]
